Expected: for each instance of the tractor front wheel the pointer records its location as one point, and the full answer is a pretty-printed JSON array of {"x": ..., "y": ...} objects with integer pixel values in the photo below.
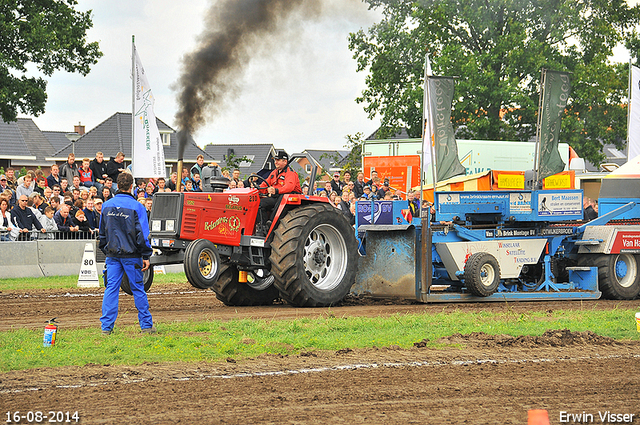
[
  {"x": 313, "y": 256},
  {"x": 201, "y": 264}
]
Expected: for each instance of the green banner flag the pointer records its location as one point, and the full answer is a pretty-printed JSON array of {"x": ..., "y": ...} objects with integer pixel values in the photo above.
[
  {"x": 555, "y": 93},
  {"x": 446, "y": 148}
]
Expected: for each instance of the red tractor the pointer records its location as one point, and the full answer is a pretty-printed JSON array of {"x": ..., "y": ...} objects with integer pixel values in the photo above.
[{"x": 306, "y": 256}]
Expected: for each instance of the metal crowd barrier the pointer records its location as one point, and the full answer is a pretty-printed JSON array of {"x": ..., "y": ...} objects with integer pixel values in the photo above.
[{"x": 52, "y": 235}]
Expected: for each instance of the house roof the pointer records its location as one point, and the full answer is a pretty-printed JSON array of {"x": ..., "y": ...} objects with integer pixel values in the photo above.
[
  {"x": 261, "y": 153},
  {"x": 58, "y": 139},
  {"x": 13, "y": 145},
  {"x": 38, "y": 145},
  {"x": 329, "y": 160},
  {"x": 401, "y": 134},
  {"x": 113, "y": 135}
]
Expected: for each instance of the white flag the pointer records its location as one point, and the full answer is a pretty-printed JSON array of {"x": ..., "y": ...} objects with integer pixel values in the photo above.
[
  {"x": 148, "y": 152},
  {"x": 633, "y": 130}
]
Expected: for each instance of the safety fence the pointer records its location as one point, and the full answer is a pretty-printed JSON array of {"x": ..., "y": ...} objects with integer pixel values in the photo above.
[
  {"x": 6, "y": 236},
  {"x": 45, "y": 257}
]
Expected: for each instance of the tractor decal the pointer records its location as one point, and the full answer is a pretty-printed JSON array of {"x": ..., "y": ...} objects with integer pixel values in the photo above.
[{"x": 232, "y": 225}]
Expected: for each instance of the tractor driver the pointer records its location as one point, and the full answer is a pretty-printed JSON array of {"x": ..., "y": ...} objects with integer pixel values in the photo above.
[{"x": 281, "y": 181}]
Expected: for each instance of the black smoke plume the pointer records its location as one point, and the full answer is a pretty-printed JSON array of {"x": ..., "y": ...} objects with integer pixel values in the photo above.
[{"x": 234, "y": 31}]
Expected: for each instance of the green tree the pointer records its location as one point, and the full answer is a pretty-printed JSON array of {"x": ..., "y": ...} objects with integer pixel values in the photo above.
[
  {"x": 233, "y": 161},
  {"x": 353, "y": 161},
  {"x": 497, "y": 48},
  {"x": 49, "y": 34}
]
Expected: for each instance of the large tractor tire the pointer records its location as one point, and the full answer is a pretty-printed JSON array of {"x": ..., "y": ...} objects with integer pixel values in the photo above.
[
  {"x": 618, "y": 276},
  {"x": 482, "y": 274},
  {"x": 147, "y": 278},
  {"x": 202, "y": 264},
  {"x": 313, "y": 256},
  {"x": 259, "y": 289}
]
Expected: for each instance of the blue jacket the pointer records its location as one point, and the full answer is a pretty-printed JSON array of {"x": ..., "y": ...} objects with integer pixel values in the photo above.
[
  {"x": 92, "y": 218},
  {"x": 124, "y": 228}
]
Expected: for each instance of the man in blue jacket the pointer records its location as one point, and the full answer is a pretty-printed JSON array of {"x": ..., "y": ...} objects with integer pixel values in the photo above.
[{"x": 124, "y": 239}]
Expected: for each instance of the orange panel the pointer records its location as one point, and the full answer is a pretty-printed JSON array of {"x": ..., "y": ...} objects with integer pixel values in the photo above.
[
  {"x": 484, "y": 182},
  {"x": 395, "y": 168},
  {"x": 562, "y": 180}
]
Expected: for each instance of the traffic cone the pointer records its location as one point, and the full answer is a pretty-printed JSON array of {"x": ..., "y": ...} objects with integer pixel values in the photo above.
[{"x": 538, "y": 417}]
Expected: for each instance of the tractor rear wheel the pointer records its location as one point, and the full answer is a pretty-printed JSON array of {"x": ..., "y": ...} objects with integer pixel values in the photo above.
[
  {"x": 482, "y": 274},
  {"x": 618, "y": 276},
  {"x": 201, "y": 263},
  {"x": 147, "y": 278},
  {"x": 259, "y": 289},
  {"x": 313, "y": 256}
]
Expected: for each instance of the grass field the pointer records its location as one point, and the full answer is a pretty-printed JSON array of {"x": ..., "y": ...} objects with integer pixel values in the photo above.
[
  {"x": 216, "y": 340},
  {"x": 62, "y": 282}
]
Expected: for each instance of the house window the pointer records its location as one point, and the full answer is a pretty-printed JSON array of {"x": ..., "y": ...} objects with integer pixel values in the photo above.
[
  {"x": 307, "y": 168},
  {"x": 166, "y": 139}
]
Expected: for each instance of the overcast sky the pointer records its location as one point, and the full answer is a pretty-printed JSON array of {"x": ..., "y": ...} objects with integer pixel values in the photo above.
[{"x": 301, "y": 95}]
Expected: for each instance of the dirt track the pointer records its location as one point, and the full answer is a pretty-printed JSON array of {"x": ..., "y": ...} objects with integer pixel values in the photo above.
[
  {"x": 494, "y": 379},
  {"x": 169, "y": 303}
]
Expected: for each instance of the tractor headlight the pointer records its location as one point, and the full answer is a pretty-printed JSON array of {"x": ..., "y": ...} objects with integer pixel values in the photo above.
[
  {"x": 169, "y": 225},
  {"x": 156, "y": 225}
]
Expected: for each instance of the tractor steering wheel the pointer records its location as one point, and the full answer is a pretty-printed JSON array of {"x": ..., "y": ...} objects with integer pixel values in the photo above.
[{"x": 254, "y": 183}]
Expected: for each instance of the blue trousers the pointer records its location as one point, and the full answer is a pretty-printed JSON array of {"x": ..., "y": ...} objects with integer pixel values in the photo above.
[{"x": 116, "y": 267}]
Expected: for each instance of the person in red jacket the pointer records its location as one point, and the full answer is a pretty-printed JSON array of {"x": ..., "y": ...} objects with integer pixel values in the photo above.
[{"x": 281, "y": 181}]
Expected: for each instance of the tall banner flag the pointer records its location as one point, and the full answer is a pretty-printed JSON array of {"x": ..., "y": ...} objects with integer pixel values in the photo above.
[
  {"x": 555, "y": 94},
  {"x": 446, "y": 148},
  {"x": 427, "y": 131},
  {"x": 148, "y": 152},
  {"x": 633, "y": 128}
]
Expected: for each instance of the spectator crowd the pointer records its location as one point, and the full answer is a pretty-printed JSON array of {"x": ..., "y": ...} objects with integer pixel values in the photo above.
[{"x": 67, "y": 203}]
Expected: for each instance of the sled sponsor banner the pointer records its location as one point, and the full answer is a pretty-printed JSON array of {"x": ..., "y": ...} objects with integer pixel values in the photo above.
[
  {"x": 626, "y": 242},
  {"x": 520, "y": 203},
  {"x": 374, "y": 212},
  {"x": 633, "y": 132},
  {"x": 552, "y": 204}
]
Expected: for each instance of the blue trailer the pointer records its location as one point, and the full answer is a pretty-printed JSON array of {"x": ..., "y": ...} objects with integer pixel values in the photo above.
[{"x": 500, "y": 245}]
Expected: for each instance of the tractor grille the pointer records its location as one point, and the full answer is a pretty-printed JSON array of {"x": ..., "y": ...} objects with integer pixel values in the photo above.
[
  {"x": 165, "y": 214},
  {"x": 166, "y": 205}
]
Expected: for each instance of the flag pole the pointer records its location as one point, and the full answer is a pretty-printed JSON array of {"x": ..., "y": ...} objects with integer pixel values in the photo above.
[
  {"x": 425, "y": 220},
  {"x": 629, "y": 112},
  {"x": 424, "y": 123},
  {"x": 133, "y": 97},
  {"x": 427, "y": 127},
  {"x": 536, "y": 158}
]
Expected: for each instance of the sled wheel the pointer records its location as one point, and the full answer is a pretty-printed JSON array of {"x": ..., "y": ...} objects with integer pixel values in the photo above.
[
  {"x": 482, "y": 274},
  {"x": 313, "y": 256},
  {"x": 259, "y": 289},
  {"x": 201, "y": 263},
  {"x": 618, "y": 276},
  {"x": 147, "y": 278}
]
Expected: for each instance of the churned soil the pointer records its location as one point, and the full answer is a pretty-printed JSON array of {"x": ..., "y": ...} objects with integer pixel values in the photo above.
[
  {"x": 76, "y": 308},
  {"x": 472, "y": 379}
]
